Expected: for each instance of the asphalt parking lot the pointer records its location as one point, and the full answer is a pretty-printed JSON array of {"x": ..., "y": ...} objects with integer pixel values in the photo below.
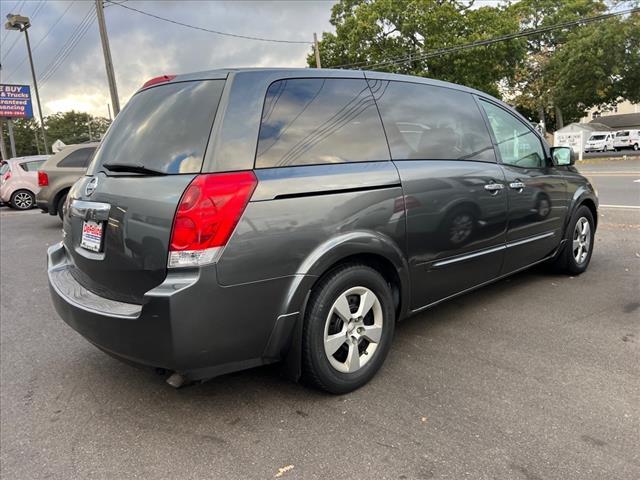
[{"x": 535, "y": 377}]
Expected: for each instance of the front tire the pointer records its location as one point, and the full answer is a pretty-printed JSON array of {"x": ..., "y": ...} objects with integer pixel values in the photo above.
[
  {"x": 348, "y": 329},
  {"x": 576, "y": 253},
  {"x": 22, "y": 200}
]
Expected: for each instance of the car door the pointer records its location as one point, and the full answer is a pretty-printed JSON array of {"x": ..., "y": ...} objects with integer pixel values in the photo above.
[
  {"x": 453, "y": 187},
  {"x": 536, "y": 190}
]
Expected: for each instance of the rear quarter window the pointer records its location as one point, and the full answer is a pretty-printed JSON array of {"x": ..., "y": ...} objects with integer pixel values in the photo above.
[
  {"x": 164, "y": 128},
  {"x": 319, "y": 121},
  {"x": 77, "y": 159},
  {"x": 426, "y": 122},
  {"x": 32, "y": 166}
]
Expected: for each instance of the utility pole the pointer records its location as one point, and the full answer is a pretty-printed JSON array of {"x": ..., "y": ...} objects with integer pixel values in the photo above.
[
  {"x": 12, "y": 140},
  {"x": 3, "y": 149},
  {"x": 35, "y": 136},
  {"x": 111, "y": 77},
  {"x": 317, "y": 50}
]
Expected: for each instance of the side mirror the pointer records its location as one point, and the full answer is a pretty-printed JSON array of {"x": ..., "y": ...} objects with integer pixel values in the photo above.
[{"x": 563, "y": 156}]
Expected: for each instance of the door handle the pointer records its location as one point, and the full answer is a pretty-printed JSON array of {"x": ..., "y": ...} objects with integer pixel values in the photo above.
[
  {"x": 494, "y": 188},
  {"x": 517, "y": 185}
]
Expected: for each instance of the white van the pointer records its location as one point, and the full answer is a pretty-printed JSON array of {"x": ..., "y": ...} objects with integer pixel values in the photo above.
[
  {"x": 599, "y": 142},
  {"x": 627, "y": 139}
]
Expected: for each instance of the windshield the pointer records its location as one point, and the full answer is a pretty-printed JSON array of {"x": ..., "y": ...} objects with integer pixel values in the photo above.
[
  {"x": 597, "y": 137},
  {"x": 622, "y": 134},
  {"x": 164, "y": 128}
]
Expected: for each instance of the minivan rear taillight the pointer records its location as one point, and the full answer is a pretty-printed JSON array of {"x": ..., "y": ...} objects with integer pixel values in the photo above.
[
  {"x": 43, "y": 178},
  {"x": 207, "y": 214}
]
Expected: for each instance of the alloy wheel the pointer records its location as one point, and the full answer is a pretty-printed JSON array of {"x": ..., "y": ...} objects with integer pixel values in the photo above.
[
  {"x": 23, "y": 200},
  {"x": 581, "y": 240},
  {"x": 353, "y": 329}
]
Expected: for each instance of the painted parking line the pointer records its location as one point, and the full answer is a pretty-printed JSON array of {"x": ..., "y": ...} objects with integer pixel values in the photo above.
[
  {"x": 611, "y": 174},
  {"x": 622, "y": 207}
]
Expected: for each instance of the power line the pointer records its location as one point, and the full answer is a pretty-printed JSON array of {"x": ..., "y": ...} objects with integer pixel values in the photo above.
[
  {"x": 42, "y": 39},
  {"x": 36, "y": 11},
  {"x": 33, "y": 15},
  {"x": 69, "y": 45},
  {"x": 175, "y": 22},
  {"x": 511, "y": 36},
  {"x": 69, "y": 50},
  {"x": 15, "y": 8}
]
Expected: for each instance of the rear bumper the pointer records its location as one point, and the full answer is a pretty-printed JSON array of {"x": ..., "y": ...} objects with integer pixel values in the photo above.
[
  {"x": 188, "y": 324},
  {"x": 43, "y": 202},
  {"x": 42, "y": 205}
]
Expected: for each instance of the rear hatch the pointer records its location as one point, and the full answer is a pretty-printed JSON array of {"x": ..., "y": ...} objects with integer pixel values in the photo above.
[{"x": 118, "y": 225}]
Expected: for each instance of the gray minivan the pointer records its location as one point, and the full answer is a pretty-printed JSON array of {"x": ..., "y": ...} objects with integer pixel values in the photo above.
[{"x": 235, "y": 218}]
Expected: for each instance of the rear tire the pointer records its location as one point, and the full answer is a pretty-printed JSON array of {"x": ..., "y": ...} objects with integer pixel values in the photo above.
[
  {"x": 576, "y": 253},
  {"x": 348, "y": 329},
  {"x": 636, "y": 147},
  {"x": 60, "y": 206},
  {"x": 22, "y": 200}
]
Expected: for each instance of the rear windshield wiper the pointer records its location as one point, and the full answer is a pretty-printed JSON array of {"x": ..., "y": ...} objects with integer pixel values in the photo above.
[{"x": 131, "y": 167}]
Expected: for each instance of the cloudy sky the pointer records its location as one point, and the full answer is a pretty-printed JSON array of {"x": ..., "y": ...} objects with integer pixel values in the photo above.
[{"x": 143, "y": 47}]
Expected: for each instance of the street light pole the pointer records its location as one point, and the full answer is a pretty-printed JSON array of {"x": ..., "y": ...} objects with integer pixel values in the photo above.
[
  {"x": 35, "y": 87},
  {"x": 22, "y": 23}
]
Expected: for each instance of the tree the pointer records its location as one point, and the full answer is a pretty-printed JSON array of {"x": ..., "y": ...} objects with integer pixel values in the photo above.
[
  {"x": 74, "y": 127},
  {"x": 70, "y": 127},
  {"x": 24, "y": 134},
  {"x": 611, "y": 50},
  {"x": 557, "y": 74},
  {"x": 373, "y": 31},
  {"x": 567, "y": 71}
]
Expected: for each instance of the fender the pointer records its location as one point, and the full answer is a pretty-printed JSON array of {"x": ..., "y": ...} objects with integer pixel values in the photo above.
[
  {"x": 338, "y": 248},
  {"x": 582, "y": 193},
  {"x": 287, "y": 340}
]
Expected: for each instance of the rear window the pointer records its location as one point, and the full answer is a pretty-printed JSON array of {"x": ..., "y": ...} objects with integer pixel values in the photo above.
[
  {"x": 163, "y": 128},
  {"x": 78, "y": 158},
  {"x": 319, "y": 121}
]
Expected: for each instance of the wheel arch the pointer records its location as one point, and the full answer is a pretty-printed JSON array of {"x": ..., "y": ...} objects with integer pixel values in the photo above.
[
  {"x": 22, "y": 189},
  {"x": 591, "y": 205},
  {"x": 584, "y": 195},
  {"x": 368, "y": 248},
  {"x": 56, "y": 199}
]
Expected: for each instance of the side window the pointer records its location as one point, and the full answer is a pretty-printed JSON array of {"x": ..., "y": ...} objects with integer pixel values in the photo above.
[
  {"x": 78, "y": 158},
  {"x": 34, "y": 166},
  {"x": 31, "y": 166},
  {"x": 518, "y": 145},
  {"x": 431, "y": 123},
  {"x": 319, "y": 121}
]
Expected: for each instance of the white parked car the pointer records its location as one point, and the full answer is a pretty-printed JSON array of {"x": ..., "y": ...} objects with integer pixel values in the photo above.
[
  {"x": 599, "y": 142},
  {"x": 627, "y": 139}
]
